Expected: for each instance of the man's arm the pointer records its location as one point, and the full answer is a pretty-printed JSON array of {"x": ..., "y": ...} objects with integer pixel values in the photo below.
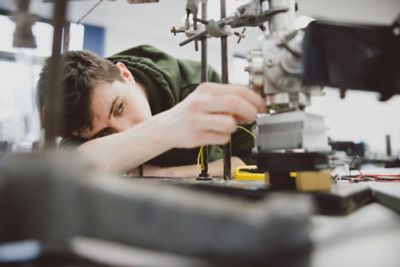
[
  {"x": 215, "y": 169},
  {"x": 207, "y": 116}
]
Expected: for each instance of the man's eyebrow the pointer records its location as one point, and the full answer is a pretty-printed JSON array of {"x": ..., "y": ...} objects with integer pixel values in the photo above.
[{"x": 112, "y": 107}]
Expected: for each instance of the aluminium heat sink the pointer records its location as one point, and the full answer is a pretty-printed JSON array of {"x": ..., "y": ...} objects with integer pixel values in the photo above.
[{"x": 291, "y": 130}]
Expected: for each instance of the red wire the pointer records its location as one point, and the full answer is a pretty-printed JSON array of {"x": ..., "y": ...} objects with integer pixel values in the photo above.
[
  {"x": 376, "y": 177},
  {"x": 388, "y": 175}
]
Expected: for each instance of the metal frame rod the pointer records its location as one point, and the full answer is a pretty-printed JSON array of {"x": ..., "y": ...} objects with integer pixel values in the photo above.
[
  {"x": 66, "y": 37},
  {"x": 53, "y": 103},
  {"x": 225, "y": 79},
  {"x": 204, "y": 78}
]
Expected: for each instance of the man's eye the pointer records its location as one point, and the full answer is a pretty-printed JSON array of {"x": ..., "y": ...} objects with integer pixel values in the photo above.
[
  {"x": 119, "y": 109},
  {"x": 103, "y": 133}
]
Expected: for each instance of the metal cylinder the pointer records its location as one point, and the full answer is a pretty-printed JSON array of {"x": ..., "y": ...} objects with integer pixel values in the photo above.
[
  {"x": 53, "y": 103},
  {"x": 282, "y": 23},
  {"x": 204, "y": 78},
  {"x": 225, "y": 80}
]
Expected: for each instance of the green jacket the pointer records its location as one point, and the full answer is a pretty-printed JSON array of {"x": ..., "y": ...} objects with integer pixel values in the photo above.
[{"x": 168, "y": 81}]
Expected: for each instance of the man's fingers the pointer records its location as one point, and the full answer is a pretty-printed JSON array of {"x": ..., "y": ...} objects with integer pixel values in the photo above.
[
  {"x": 232, "y": 105},
  {"x": 240, "y": 91},
  {"x": 211, "y": 113},
  {"x": 215, "y": 138},
  {"x": 219, "y": 123}
]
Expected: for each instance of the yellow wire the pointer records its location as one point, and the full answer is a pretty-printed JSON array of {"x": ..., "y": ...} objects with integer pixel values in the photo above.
[
  {"x": 247, "y": 131},
  {"x": 200, "y": 156},
  {"x": 200, "y": 160}
]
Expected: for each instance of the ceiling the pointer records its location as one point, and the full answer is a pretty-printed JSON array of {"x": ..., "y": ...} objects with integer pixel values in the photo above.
[{"x": 119, "y": 12}]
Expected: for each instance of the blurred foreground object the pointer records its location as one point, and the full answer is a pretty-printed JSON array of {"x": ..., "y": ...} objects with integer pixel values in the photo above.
[{"x": 55, "y": 198}]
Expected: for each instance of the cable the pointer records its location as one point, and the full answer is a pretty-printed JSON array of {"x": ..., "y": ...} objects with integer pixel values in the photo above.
[
  {"x": 247, "y": 131},
  {"x": 200, "y": 157},
  {"x": 200, "y": 163},
  {"x": 356, "y": 157},
  {"x": 89, "y": 11},
  {"x": 363, "y": 177},
  {"x": 66, "y": 44}
]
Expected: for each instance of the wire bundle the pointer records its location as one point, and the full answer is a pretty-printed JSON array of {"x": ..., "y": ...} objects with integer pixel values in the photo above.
[{"x": 371, "y": 177}]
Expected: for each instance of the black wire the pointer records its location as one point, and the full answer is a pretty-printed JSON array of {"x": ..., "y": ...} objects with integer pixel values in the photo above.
[{"x": 356, "y": 157}]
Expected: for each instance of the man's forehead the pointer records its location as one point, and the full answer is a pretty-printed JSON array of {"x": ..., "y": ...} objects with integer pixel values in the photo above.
[
  {"x": 101, "y": 100},
  {"x": 100, "y": 105}
]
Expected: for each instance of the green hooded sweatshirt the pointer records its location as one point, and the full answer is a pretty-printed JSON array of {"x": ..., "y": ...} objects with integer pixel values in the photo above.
[{"x": 168, "y": 81}]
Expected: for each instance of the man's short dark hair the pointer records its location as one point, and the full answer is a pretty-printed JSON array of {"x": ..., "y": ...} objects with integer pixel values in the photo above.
[{"x": 83, "y": 70}]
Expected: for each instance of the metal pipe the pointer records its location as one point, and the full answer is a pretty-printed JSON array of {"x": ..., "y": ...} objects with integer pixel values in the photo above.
[
  {"x": 225, "y": 79},
  {"x": 283, "y": 22},
  {"x": 388, "y": 146},
  {"x": 53, "y": 103},
  {"x": 204, "y": 78},
  {"x": 67, "y": 37},
  {"x": 193, "y": 38}
]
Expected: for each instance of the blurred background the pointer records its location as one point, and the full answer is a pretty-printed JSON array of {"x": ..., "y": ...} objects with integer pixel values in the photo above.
[{"x": 113, "y": 26}]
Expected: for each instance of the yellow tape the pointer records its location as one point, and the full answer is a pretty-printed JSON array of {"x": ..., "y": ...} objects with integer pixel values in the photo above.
[{"x": 244, "y": 173}]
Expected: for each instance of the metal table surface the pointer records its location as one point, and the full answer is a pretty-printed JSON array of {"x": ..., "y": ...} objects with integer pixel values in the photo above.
[{"x": 368, "y": 236}]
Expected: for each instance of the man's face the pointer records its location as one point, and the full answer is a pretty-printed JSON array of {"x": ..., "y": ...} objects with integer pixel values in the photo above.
[{"x": 116, "y": 107}]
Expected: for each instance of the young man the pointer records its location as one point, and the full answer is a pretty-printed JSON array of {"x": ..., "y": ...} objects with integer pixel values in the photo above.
[{"x": 143, "y": 106}]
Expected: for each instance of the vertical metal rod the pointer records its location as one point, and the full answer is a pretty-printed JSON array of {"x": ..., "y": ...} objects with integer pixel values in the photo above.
[
  {"x": 204, "y": 78},
  {"x": 196, "y": 43},
  {"x": 66, "y": 37},
  {"x": 53, "y": 103},
  {"x": 225, "y": 79},
  {"x": 388, "y": 146}
]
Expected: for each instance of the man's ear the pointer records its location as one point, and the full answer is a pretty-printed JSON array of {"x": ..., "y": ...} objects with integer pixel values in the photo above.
[{"x": 125, "y": 73}]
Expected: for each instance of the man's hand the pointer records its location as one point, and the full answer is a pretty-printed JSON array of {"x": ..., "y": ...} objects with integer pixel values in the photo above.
[
  {"x": 207, "y": 116},
  {"x": 210, "y": 115}
]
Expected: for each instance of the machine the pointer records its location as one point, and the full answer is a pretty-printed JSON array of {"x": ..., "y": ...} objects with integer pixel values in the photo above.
[{"x": 290, "y": 67}]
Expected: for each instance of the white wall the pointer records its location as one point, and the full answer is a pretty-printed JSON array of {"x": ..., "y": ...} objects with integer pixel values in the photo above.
[
  {"x": 360, "y": 117},
  {"x": 118, "y": 39},
  {"x": 155, "y": 29}
]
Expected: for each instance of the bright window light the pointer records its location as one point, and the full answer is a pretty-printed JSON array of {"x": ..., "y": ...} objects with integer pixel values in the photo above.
[
  {"x": 7, "y": 27},
  {"x": 301, "y": 22},
  {"x": 77, "y": 33}
]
